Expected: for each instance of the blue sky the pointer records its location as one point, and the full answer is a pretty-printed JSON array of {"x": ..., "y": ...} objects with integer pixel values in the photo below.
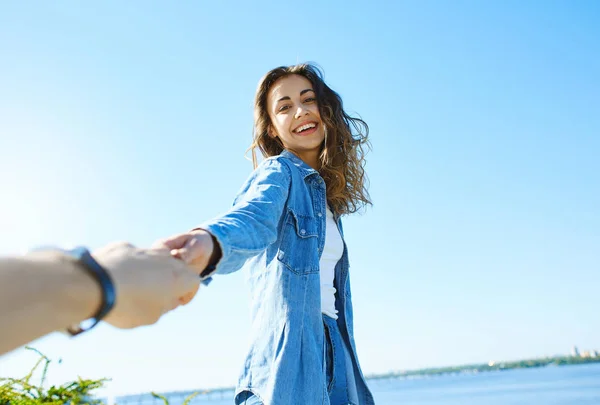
[{"x": 130, "y": 121}]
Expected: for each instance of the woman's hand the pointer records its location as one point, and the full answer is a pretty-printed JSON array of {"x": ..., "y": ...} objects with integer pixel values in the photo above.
[{"x": 195, "y": 248}]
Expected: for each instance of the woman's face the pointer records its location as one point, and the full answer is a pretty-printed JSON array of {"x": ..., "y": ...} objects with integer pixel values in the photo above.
[{"x": 294, "y": 113}]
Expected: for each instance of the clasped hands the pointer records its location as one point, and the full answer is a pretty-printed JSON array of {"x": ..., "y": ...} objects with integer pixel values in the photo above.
[{"x": 152, "y": 282}]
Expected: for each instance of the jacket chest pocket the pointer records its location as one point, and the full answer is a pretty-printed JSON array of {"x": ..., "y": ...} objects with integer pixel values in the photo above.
[{"x": 299, "y": 249}]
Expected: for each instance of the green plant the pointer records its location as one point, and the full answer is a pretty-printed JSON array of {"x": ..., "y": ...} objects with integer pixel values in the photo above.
[{"x": 21, "y": 391}]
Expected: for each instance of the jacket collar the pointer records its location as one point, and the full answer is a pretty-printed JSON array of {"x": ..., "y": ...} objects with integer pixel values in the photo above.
[{"x": 304, "y": 169}]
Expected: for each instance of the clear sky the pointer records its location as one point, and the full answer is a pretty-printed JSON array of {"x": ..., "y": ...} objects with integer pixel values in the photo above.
[{"x": 130, "y": 121}]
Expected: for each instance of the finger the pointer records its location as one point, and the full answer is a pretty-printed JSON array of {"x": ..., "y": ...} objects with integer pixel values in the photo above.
[
  {"x": 187, "y": 254},
  {"x": 159, "y": 244},
  {"x": 186, "y": 285},
  {"x": 189, "y": 296},
  {"x": 171, "y": 305},
  {"x": 158, "y": 251},
  {"x": 174, "y": 242},
  {"x": 180, "y": 254}
]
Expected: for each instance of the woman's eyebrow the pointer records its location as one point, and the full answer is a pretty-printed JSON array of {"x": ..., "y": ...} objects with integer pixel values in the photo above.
[{"x": 303, "y": 92}]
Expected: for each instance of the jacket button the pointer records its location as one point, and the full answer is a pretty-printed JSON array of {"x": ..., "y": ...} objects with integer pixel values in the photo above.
[
  {"x": 319, "y": 214},
  {"x": 302, "y": 231}
]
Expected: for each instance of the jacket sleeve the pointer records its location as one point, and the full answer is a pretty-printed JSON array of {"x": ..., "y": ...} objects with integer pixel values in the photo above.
[{"x": 250, "y": 226}]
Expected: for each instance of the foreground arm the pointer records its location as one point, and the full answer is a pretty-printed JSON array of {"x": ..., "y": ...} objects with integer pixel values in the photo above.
[{"x": 44, "y": 292}]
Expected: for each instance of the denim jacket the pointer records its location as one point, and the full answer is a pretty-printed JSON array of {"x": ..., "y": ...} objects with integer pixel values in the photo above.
[{"x": 276, "y": 230}]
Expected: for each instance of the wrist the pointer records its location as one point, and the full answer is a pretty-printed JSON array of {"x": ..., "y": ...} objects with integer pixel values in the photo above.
[
  {"x": 216, "y": 252},
  {"x": 83, "y": 296},
  {"x": 79, "y": 260}
]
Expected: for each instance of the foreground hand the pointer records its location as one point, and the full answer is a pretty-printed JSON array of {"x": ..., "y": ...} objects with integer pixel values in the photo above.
[
  {"x": 149, "y": 283},
  {"x": 195, "y": 248}
]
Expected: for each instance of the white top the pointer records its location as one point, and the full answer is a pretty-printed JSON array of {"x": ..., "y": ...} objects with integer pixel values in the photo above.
[{"x": 332, "y": 253}]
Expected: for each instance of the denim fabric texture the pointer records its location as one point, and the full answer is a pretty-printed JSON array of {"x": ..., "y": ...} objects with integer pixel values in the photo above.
[
  {"x": 275, "y": 230},
  {"x": 341, "y": 384}
]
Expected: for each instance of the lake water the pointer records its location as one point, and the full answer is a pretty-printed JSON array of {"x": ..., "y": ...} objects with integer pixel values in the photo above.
[{"x": 565, "y": 385}]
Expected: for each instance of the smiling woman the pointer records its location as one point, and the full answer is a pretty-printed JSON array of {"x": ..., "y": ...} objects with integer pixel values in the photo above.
[
  {"x": 289, "y": 97},
  {"x": 285, "y": 227},
  {"x": 296, "y": 122}
]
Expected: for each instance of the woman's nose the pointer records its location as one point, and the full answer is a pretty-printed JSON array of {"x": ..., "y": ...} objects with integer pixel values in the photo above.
[{"x": 300, "y": 111}]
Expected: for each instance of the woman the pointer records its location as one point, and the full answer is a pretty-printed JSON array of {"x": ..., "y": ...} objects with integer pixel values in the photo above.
[{"x": 285, "y": 228}]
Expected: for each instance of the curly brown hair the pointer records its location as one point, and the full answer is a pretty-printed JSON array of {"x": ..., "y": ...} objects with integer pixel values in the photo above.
[{"x": 342, "y": 156}]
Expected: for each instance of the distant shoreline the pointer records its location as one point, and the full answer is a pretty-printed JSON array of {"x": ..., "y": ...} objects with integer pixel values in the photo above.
[
  {"x": 439, "y": 371},
  {"x": 491, "y": 366}
]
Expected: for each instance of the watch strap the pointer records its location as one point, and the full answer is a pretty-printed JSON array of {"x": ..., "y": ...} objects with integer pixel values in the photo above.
[{"x": 87, "y": 262}]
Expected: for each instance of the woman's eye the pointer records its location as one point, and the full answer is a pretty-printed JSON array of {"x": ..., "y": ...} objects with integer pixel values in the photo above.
[
  {"x": 310, "y": 100},
  {"x": 284, "y": 107}
]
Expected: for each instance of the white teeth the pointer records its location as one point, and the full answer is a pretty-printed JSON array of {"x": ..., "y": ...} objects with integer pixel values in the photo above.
[{"x": 306, "y": 126}]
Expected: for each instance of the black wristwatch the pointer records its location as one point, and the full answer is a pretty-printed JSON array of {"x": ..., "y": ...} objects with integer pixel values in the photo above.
[{"x": 84, "y": 259}]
